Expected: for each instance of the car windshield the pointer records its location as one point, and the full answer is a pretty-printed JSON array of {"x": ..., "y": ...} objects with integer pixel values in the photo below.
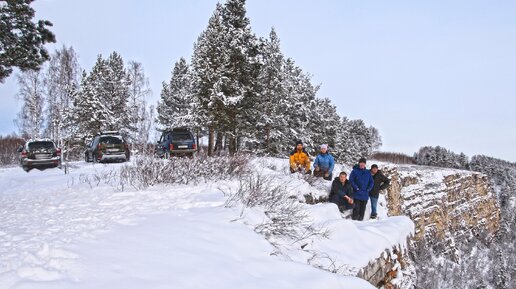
[
  {"x": 182, "y": 136},
  {"x": 110, "y": 140},
  {"x": 41, "y": 145}
]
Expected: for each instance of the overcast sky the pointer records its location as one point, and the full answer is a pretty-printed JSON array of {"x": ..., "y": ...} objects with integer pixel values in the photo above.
[{"x": 422, "y": 72}]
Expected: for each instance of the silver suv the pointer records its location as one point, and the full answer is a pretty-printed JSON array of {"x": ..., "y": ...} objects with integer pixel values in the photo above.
[{"x": 40, "y": 154}]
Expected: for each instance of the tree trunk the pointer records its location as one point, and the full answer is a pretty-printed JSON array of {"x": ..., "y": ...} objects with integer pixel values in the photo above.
[
  {"x": 219, "y": 142},
  {"x": 267, "y": 138},
  {"x": 211, "y": 140},
  {"x": 197, "y": 139},
  {"x": 232, "y": 143}
]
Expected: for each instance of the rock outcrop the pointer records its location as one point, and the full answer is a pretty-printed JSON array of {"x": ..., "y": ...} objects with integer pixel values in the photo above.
[
  {"x": 391, "y": 270},
  {"x": 444, "y": 204}
]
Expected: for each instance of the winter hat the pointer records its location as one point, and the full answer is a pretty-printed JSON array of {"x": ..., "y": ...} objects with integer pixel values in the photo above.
[
  {"x": 324, "y": 146},
  {"x": 299, "y": 142},
  {"x": 362, "y": 160},
  {"x": 374, "y": 166}
]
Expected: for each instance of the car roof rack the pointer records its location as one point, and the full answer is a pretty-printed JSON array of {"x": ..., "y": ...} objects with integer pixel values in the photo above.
[
  {"x": 180, "y": 129},
  {"x": 109, "y": 132},
  {"x": 39, "y": 139}
]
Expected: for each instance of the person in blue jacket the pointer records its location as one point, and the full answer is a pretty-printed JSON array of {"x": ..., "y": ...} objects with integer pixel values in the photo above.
[
  {"x": 324, "y": 164},
  {"x": 362, "y": 183}
]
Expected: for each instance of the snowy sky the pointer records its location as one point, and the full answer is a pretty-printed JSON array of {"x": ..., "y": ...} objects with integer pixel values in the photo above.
[{"x": 423, "y": 72}]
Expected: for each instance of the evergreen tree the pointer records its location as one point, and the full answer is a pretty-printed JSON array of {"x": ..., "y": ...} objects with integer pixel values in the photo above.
[
  {"x": 101, "y": 102},
  {"x": 177, "y": 103},
  {"x": 236, "y": 87},
  {"x": 441, "y": 157},
  {"x": 324, "y": 125},
  {"x": 208, "y": 62},
  {"x": 354, "y": 141},
  {"x": 84, "y": 119},
  {"x": 21, "y": 40},
  {"x": 247, "y": 94},
  {"x": 300, "y": 97},
  {"x": 114, "y": 93},
  {"x": 271, "y": 125}
]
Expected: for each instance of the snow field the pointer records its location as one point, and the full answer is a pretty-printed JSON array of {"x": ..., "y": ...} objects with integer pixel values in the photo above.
[{"x": 60, "y": 231}]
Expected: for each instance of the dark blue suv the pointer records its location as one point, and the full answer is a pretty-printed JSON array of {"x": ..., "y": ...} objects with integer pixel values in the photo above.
[{"x": 179, "y": 141}]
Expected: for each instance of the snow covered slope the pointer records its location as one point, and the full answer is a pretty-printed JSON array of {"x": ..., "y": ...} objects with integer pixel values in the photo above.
[{"x": 82, "y": 230}]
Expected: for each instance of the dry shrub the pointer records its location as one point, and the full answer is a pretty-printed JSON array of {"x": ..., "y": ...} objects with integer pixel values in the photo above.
[
  {"x": 395, "y": 158},
  {"x": 286, "y": 217},
  {"x": 147, "y": 170},
  {"x": 8, "y": 149}
]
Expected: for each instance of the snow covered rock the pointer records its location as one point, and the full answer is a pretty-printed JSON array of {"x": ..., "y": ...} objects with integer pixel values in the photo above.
[{"x": 445, "y": 204}]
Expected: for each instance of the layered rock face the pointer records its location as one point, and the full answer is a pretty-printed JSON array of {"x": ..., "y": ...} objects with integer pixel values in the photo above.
[{"x": 444, "y": 204}]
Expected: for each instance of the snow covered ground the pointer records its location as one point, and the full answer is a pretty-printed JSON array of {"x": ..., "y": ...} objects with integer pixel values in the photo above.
[{"x": 83, "y": 231}]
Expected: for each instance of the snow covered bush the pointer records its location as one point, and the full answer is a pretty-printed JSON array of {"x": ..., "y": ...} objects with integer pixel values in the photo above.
[
  {"x": 286, "y": 217},
  {"x": 147, "y": 170}
]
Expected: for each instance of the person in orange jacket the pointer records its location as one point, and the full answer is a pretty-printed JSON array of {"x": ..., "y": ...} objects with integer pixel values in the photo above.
[{"x": 299, "y": 159}]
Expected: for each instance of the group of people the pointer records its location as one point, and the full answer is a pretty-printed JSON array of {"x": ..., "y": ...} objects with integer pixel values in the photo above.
[{"x": 348, "y": 194}]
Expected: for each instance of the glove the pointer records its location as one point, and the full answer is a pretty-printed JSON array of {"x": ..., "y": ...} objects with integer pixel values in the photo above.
[
  {"x": 292, "y": 170},
  {"x": 309, "y": 172}
]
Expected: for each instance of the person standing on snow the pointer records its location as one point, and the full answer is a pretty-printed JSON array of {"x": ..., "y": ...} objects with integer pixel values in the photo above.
[
  {"x": 299, "y": 159},
  {"x": 381, "y": 182},
  {"x": 341, "y": 193},
  {"x": 362, "y": 183},
  {"x": 324, "y": 163}
]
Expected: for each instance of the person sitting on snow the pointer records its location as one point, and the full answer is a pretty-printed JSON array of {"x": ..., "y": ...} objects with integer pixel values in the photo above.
[
  {"x": 381, "y": 182},
  {"x": 324, "y": 163},
  {"x": 341, "y": 193},
  {"x": 299, "y": 159}
]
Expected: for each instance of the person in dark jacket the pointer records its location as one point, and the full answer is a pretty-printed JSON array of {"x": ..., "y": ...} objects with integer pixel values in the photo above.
[
  {"x": 324, "y": 164},
  {"x": 362, "y": 183},
  {"x": 381, "y": 182},
  {"x": 341, "y": 192}
]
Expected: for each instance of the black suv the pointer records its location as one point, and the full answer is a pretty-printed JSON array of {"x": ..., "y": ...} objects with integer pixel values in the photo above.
[
  {"x": 40, "y": 154},
  {"x": 179, "y": 141},
  {"x": 107, "y": 146}
]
